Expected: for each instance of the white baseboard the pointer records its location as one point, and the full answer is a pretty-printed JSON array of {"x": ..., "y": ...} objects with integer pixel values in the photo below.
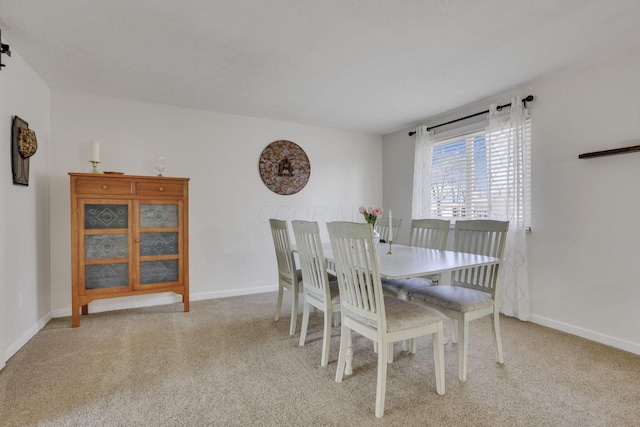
[
  {"x": 233, "y": 293},
  {"x": 123, "y": 303},
  {"x": 20, "y": 342},
  {"x": 587, "y": 333}
]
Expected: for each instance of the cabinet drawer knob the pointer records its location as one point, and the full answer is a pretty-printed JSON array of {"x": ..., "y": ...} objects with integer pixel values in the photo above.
[
  {"x": 160, "y": 189},
  {"x": 105, "y": 186}
]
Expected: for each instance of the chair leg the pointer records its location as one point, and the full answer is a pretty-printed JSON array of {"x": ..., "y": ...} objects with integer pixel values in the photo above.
[
  {"x": 438, "y": 357},
  {"x": 326, "y": 337},
  {"x": 294, "y": 312},
  {"x": 496, "y": 337},
  {"x": 390, "y": 353},
  {"x": 305, "y": 322},
  {"x": 279, "y": 304},
  {"x": 382, "y": 379},
  {"x": 345, "y": 335},
  {"x": 454, "y": 330},
  {"x": 409, "y": 345},
  {"x": 463, "y": 345},
  {"x": 348, "y": 369}
]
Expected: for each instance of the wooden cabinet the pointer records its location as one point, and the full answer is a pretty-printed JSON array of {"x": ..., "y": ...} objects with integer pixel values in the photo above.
[{"x": 129, "y": 236}]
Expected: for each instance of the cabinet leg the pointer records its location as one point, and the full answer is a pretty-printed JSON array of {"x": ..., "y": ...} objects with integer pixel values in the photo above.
[
  {"x": 75, "y": 316},
  {"x": 85, "y": 309},
  {"x": 185, "y": 301}
]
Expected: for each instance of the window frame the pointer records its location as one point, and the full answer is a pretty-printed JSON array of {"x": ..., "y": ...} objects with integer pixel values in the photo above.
[{"x": 472, "y": 208}]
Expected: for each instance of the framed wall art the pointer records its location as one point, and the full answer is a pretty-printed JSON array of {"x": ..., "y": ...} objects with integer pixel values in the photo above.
[
  {"x": 23, "y": 146},
  {"x": 284, "y": 167}
]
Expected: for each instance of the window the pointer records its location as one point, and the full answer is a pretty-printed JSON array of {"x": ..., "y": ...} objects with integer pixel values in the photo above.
[
  {"x": 481, "y": 174},
  {"x": 459, "y": 178}
]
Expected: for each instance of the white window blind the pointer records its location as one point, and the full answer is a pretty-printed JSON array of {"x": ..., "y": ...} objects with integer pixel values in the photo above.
[{"x": 470, "y": 173}]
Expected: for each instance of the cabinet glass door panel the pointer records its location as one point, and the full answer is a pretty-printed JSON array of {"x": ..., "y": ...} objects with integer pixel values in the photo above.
[
  {"x": 105, "y": 216},
  {"x": 101, "y": 246},
  {"x": 158, "y": 271},
  {"x": 101, "y": 276},
  {"x": 105, "y": 245},
  {"x": 158, "y": 244},
  {"x": 158, "y": 215}
]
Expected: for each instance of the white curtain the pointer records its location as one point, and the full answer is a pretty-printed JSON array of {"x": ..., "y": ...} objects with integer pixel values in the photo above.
[
  {"x": 421, "y": 201},
  {"x": 508, "y": 200}
]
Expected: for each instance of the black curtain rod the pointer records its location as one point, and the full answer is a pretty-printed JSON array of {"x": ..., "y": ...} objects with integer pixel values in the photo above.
[{"x": 499, "y": 107}]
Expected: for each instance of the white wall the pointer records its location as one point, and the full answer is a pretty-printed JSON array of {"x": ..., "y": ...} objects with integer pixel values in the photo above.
[
  {"x": 231, "y": 251},
  {"x": 24, "y": 216},
  {"x": 583, "y": 250}
]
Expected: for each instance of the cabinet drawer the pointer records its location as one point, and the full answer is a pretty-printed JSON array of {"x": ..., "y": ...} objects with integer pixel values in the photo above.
[
  {"x": 103, "y": 187},
  {"x": 159, "y": 189}
]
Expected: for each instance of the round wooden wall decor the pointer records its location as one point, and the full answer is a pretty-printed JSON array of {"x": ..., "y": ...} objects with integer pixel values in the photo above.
[{"x": 284, "y": 167}]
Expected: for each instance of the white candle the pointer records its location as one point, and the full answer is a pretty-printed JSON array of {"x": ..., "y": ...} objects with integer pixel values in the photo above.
[
  {"x": 390, "y": 226},
  {"x": 95, "y": 152}
]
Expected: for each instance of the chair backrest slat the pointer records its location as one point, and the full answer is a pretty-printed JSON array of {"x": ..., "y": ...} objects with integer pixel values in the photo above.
[
  {"x": 284, "y": 255},
  {"x": 382, "y": 227},
  {"x": 482, "y": 237},
  {"x": 357, "y": 270},
  {"x": 312, "y": 261},
  {"x": 430, "y": 233}
]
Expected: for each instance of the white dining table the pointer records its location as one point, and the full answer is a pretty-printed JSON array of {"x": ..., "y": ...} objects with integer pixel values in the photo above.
[
  {"x": 409, "y": 261},
  {"x": 405, "y": 262}
]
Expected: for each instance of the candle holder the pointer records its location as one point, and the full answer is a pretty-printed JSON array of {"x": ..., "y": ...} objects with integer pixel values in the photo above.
[
  {"x": 390, "y": 252},
  {"x": 95, "y": 166}
]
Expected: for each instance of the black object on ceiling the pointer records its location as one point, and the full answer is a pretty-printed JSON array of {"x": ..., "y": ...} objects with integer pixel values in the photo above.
[{"x": 4, "y": 48}]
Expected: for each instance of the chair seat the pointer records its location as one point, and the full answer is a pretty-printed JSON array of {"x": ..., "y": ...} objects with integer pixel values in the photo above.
[
  {"x": 333, "y": 290},
  {"x": 453, "y": 297},
  {"x": 402, "y": 315},
  {"x": 332, "y": 277},
  {"x": 400, "y": 288}
]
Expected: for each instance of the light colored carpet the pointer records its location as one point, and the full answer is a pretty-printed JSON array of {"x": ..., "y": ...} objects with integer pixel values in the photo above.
[{"x": 227, "y": 363}]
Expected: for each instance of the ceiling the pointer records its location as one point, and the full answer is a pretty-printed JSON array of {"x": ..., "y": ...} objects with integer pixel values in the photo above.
[{"x": 374, "y": 66}]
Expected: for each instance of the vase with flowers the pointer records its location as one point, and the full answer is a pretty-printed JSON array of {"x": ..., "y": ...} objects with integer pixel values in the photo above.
[{"x": 371, "y": 215}]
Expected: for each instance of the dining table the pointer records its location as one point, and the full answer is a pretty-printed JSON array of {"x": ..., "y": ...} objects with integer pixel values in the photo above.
[{"x": 404, "y": 262}]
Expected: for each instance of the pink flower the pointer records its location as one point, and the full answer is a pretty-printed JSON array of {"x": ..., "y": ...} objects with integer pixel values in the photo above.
[{"x": 371, "y": 214}]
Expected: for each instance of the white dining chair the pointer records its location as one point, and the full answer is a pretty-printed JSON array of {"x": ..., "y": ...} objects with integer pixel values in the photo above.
[
  {"x": 428, "y": 233},
  {"x": 431, "y": 233},
  {"x": 365, "y": 310},
  {"x": 289, "y": 276},
  {"x": 473, "y": 292},
  {"x": 317, "y": 290},
  {"x": 382, "y": 227}
]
